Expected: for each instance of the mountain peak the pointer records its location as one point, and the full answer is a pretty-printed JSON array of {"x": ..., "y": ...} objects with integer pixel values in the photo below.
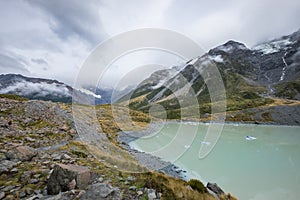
[
  {"x": 228, "y": 47},
  {"x": 234, "y": 44}
]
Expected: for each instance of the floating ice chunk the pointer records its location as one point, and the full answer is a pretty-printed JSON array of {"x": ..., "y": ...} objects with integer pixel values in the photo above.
[
  {"x": 248, "y": 137},
  {"x": 204, "y": 142}
]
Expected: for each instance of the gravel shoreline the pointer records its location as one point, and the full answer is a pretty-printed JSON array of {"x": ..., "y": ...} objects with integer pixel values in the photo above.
[{"x": 145, "y": 159}]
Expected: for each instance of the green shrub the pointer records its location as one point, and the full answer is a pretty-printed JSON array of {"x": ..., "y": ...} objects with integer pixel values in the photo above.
[
  {"x": 13, "y": 96},
  {"x": 197, "y": 185}
]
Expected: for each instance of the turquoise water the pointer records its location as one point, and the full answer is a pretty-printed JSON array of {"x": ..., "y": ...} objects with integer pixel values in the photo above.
[{"x": 267, "y": 167}]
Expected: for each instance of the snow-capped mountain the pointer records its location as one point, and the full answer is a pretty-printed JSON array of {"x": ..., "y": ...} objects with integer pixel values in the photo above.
[{"x": 250, "y": 75}]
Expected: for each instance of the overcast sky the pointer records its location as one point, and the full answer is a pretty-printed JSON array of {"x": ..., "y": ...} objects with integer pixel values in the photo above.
[{"x": 52, "y": 38}]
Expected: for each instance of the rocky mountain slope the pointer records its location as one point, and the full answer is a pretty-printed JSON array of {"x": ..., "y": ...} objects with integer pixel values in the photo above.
[
  {"x": 42, "y": 157},
  {"x": 267, "y": 74}
]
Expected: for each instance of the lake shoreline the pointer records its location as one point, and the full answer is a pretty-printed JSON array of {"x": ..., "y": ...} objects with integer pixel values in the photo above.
[
  {"x": 231, "y": 122},
  {"x": 151, "y": 162}
]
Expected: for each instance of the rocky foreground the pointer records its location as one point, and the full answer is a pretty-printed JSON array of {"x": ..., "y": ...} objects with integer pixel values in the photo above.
[{"x": 41, "y": 157}]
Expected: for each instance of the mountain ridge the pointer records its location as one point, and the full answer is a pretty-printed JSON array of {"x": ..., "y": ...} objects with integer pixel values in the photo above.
[
  {"x": 50, "y": 90},
  {"x": 252, "y": 77}
]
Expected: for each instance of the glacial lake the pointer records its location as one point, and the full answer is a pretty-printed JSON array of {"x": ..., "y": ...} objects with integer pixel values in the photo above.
[{"x": 264, "y": 166}]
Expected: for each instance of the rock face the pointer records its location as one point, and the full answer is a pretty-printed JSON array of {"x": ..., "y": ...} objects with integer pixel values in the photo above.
[
  {"x": 215, "y": 189},
  {"x": 68, "y": 177},
  {"x": 21, "y": 153}
]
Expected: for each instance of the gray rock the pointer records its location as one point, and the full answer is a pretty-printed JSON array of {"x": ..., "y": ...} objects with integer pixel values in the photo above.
[
  {"x": 33, "y": 181},
  {"x": 65, "y": 127},
  {"x": 151, "y": 194},
  {"x": 25, "y": 176},
  {"x": 37, "y": 192},
  {"x": 66, "y": 156},
  {"x": 100, "y": 179},
  {"x": 72, "y": 185},
  {"x": 72, "y": 132},
  {"x": 27, "y": 120},
  {"x": 215, "y": 189},
  {"x": 2, "y": 195},
  {"x": 8, "y": 188},
  {"x": 37, "y": 175},
  {"x": 14, "y": 170},
  {"x": 6, "y": 165},
  {"x": 15, "y": 190},
  {"x": 62, "y": 175},
  {"x": 74, "y": 194},
  {"x": 2, "y": 156},
  {"x": 45, "y": 156},
  {"x": 56, "y": 157},
  {"x": 29, "y": 139},
  {"x": 132, "y": 187},
  {"x": 29, "y": 191},
  {"x": 130, "y": 179},
  {"x": 140, "y": 193},
  {"x": 159, "y": 195},
  {"x": 22, "y": 194},
  {"x": 101, "y": 191},
  {"x": 46, "y": 162},
  {"x": 21, "y": 153},
  {"x": 38, "y": 196}
]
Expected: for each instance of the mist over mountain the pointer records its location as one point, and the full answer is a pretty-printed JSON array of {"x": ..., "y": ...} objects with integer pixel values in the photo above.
[{"x": 50, "y": 90}]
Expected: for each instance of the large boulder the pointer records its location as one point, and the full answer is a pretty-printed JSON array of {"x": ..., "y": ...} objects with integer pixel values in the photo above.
[
  {"x": 101, "y": 191},
  {"x": 215, "y": 189},
  {"x": 67, "y": 177},
  {"x": 21, "y": 153}
]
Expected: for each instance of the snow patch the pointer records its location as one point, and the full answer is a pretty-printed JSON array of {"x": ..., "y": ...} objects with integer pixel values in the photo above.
[
  {"x": 193, "y": 61},
  {"x": 273, "y": 47},
  {"x": 217, "y": 58},
  {"x": 165, "y": 79},
  {"x": 159, "y": 84},
  {"x": 225, "y": 48},
  {"x": 230, "y": 47}
]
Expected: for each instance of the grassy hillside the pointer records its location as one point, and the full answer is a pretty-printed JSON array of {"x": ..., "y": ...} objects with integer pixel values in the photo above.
[
  {"x": 289, "y": 90},
  {"x": 240, "y": 94}
]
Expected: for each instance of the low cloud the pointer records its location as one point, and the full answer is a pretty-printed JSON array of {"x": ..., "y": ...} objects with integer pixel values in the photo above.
[
  {"x": 41, "y": 89},
  {"x": 90, "y": 93}
]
